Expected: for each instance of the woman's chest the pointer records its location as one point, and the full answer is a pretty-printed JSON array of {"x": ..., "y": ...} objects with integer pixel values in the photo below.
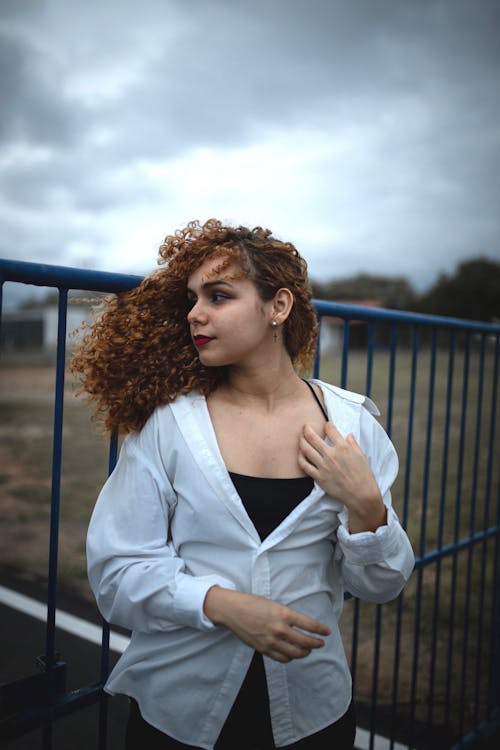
[{"x": 261, "y": 445}]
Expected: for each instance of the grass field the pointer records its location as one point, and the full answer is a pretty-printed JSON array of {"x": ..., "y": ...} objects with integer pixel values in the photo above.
[{"x": 434, "y": 646}]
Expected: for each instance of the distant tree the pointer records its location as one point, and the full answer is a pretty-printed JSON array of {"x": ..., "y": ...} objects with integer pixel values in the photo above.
[
  {"x": 472, "y": 292},
  {"x": 393, "y": 292}
]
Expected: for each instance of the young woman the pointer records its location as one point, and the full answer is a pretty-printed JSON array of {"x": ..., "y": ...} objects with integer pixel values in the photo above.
[{"x": 244, "y": 502}]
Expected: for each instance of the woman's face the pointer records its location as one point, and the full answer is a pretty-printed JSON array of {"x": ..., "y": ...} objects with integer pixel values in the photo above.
[{"x": 229, "y": 323}]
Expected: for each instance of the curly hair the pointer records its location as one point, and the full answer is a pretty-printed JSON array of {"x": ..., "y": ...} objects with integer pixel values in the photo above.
[{"x": 138, "y": 353}]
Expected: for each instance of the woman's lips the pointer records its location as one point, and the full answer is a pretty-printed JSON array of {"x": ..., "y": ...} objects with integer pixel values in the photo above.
[{"x": 201, "y": 340}]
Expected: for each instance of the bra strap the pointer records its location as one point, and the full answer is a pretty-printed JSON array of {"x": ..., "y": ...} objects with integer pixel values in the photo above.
[{"x": 317, "y": 399}]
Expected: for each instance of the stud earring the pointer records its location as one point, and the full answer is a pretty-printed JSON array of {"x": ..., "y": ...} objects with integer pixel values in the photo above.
[{"x": 275, "y": 330}]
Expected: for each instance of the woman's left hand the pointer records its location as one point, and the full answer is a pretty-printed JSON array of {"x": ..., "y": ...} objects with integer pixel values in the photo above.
[{"x": 343, "y": 472}]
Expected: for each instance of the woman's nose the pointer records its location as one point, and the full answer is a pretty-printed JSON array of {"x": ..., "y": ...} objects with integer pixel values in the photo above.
[{"x": 196, "y": 313}]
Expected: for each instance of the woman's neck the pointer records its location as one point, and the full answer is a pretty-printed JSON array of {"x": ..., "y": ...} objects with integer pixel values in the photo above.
[{"x": 263, "y": 387}]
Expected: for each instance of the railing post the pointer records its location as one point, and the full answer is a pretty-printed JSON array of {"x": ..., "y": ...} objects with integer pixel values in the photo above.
[
  {"x": 50, "y": 654},
  {"x": 495, "y": 693}
]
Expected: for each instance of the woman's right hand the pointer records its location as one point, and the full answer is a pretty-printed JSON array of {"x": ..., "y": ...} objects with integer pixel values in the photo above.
[{"x": 265, "y": 625}]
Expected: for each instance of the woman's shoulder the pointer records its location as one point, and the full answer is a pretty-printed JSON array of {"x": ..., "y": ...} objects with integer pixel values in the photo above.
[
  {"x": 182, "y": 414},
  {"x": 166, "y": 413},
  {"x": 164, "y": 428},
  {"x": 334, "y": 393},
  {"x": 161, "y": 420},
  {"x": 356, "y": 413}
]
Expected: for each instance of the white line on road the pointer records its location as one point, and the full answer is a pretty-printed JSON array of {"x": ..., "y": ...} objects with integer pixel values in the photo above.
[
  {"x": 362, "y": 742},
  {"x": 64, "y": 621}
]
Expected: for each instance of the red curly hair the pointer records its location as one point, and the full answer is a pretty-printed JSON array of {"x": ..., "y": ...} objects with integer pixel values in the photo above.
[{"x": 138, "y": 354}]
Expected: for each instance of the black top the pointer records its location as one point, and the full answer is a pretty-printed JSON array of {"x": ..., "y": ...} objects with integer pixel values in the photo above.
[{"x": 269, "y": 501}]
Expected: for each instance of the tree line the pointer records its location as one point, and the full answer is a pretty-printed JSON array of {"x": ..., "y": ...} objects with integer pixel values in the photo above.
[{"x": 472, "y": 291}]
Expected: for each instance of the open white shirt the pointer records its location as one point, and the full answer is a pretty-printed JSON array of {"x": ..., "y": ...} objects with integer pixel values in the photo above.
[{"x": 169, "y": 524}]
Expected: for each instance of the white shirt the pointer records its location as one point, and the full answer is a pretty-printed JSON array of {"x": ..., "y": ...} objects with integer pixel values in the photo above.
[{"x": 169, "y": 524}]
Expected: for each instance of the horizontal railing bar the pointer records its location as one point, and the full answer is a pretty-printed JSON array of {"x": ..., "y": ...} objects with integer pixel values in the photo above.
[
  {"x": 34, "y": 717},
  {"x": 450, "y": 549},
  {"x": 40, "y": 274},
  {"x": 362, "y": 312},
  {"x": 487, "y": 731}
]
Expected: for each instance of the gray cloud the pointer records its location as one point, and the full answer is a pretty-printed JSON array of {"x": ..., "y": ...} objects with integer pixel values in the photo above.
[
  {"x": 33, "y": 109},
  {"x": 404, "y": 97}
]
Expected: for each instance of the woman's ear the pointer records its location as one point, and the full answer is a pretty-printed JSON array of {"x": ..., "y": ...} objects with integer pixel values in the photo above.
[{"x": 282, "y": 304}]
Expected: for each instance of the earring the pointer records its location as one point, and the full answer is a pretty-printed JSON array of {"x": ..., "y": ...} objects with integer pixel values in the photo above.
[{"x": 275, "y": 330}]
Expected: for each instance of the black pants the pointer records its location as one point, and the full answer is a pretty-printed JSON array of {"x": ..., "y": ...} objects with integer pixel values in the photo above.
[{"x": 248, "y": 726}]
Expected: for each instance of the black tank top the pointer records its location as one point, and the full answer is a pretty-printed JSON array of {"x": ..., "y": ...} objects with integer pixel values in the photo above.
[{"x": 269, "y": 501}]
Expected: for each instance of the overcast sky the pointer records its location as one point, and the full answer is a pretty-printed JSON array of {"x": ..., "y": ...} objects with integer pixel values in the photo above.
[{"x": 367, "y": 132}]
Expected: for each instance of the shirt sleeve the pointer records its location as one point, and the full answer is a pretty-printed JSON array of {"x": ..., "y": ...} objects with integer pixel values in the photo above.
[
  {"x": 137, "y": 578},
  {"x": 376, "y": 565}
]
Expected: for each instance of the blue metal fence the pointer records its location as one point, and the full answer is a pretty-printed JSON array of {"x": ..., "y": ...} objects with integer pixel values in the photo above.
[{"x": 426, "y": 667}]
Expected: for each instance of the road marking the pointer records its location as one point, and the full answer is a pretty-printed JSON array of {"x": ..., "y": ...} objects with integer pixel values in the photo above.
[
  {"x": 362, "y": 742},
  {"x": 64, "y": 621},
  {"x": 93, "y": 633}
]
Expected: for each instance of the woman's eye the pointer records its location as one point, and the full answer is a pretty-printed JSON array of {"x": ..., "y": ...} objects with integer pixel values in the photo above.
[{"x": 219, "y": 297}]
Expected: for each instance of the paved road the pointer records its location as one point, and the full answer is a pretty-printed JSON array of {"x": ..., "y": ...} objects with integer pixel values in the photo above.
[{"x": 22, "y": 639}]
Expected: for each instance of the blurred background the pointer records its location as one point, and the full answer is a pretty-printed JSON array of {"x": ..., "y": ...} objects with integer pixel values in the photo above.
[{"x": 367, "y": 133}]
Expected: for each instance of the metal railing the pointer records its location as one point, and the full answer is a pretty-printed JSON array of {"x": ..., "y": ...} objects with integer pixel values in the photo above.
[{"x": 427, "y": 666}]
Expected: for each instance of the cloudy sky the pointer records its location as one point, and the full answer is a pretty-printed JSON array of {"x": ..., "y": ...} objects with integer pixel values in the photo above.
[{"x": 365, "y": 131}]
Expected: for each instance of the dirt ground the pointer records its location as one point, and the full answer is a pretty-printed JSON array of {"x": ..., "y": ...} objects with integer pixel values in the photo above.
[
  {"x": 27, "y": 382},
  {"x": 26, "y": 420}
]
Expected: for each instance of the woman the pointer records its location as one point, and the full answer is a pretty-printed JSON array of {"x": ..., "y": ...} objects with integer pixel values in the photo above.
[{"x": 245, "y": 500}]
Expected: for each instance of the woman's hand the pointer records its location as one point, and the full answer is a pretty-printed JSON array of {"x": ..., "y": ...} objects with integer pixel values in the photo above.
[
  {"x": 265, "y": 625},
  {"x": 343, "y": 472}
]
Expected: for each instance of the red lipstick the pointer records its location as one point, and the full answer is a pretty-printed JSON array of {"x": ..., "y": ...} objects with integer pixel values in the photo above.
[{"x": 201, "y": 340}]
